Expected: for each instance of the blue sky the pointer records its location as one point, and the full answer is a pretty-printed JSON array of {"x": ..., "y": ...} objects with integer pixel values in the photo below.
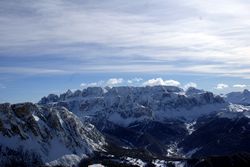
[{"x": 51, "y": 46}]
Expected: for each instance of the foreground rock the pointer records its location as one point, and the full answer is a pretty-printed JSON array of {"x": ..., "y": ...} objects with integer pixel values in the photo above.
[{"x": 40, "y": 134}]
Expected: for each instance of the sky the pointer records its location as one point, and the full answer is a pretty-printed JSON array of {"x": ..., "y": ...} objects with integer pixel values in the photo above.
[{"x": 51, "y": 46}]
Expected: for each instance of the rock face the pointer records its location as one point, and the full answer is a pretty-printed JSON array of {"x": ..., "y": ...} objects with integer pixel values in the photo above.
[
  {"x": 219, "y": 135},
  {"x": 140, "y": 117},
  {"x": 239, "y": 97},
  {"x": 47, "y": 132},
  {"x": 126, "y": 105},
  {"x": 238, "y": 159}
]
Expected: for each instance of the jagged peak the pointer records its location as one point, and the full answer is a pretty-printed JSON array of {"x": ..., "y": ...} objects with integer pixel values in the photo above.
[
  {"x": 239, "y": 97},
  {"x": 69, "y": 92},
  {"x": 246, "y": 91},
  {"x": 193, "y": 90}
]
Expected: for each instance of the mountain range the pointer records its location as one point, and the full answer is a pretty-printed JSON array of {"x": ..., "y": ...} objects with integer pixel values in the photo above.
[{"x": 128, "y": 126}]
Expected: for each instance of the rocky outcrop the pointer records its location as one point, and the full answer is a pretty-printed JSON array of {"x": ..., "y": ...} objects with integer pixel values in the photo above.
[{"x": 50, "y": 132}]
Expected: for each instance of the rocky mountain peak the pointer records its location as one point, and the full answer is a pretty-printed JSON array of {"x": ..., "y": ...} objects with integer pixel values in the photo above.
[
  {"x": 45, "y": 129},
  {"x": 193, "y": 91},
  {"x": 246, "y": 92}
]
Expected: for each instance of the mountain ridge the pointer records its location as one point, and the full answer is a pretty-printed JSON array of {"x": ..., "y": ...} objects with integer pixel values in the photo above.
[{"x": 157, "y": 121}]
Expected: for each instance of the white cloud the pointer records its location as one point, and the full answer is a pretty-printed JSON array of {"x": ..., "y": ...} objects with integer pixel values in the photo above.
[
  {"x": 221, "y": 86},
  {"x": 109, "y": 82},
  {"x": 239, "y": 86},
  {"x": 114, "y": 81},
  {"x": 134, "y": 80},
  {"x": 92, "y": 84},
  {"x": 160, "y": 81},
  {"x": 190, "y": 84}
]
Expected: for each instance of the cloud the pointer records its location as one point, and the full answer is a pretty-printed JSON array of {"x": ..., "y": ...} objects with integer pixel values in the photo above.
[
  {"x": 101, "y": 37},
  {"x": 134, "y": 80},
  {"x": 190, "y": 84},
  {"x": 114, "y": 81},
  {"x": 221, "y": 86},
  {"x": 160, "y": 81},
  {"x": 239, "y": 86},
  {"x": 32, "y": 71},
  {"x": 109, "y": 82},
  {"x": 92, "y": 84}
]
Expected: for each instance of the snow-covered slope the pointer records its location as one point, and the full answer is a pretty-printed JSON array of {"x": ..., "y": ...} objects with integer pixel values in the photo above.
[
  {"x": 48, "y": 132},
  {"x": 126, "y": 105},
  {"x": 239, "y": 97}
]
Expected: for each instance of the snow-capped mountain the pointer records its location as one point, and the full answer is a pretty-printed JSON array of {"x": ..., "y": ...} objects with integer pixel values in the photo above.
[
  {"x": 47, "y": 133},
  {"x": 126, "y": 105},
  {"x": 239, "y": 97},
  {"x": 133, "y": 117},
  {"x": 124, "y": 125},
  {"x": 193, "y": 91}
]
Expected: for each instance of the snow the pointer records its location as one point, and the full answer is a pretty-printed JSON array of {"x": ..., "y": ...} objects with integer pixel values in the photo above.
[
  {"x": 247, "y": 114},
  {"x": 58, "y": 149},
  {"x": 190, "y": 127},
  {"x": 127, "y": 105},
  {"x": 162, "y": 163},
  {"x": 134, "y": 161},
  {"x": 191, "y": 152},
  {"x": 179, "y": 164},
  {"x": 36, "y": 118},
  {"x": 173, "y": 149},
  {"x": 119, "y": 105},
  {"x": 96, "y": 165},
  {"x": 67, "y": 160},
  {"x": 159, "y": 163},
  {"x": 235, "y": 111},
  {"x": 66, "y": 143},
  {"x": 238, "y": 108}
]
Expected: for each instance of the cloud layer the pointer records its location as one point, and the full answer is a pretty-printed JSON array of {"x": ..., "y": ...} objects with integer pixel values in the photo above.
[{"x": 67, "y": 37}]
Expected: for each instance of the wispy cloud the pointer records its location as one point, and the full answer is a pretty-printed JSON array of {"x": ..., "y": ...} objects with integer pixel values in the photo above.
[
  {"x": 207, "y": 37},
  {"x": 28, "y": 71},
  {"x": 110, "y": 82},
  {"x": 240, "y": 86}
]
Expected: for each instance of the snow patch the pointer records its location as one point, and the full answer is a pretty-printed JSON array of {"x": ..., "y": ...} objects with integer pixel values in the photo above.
[
  {"x": 134, "y": 161},
  {"x": 96, "y": 165},
  {"x": 159, "y": 163},
  {"x": 192, "y": 152},
  {"x": 67, "y": 160},
  {"x": 36, "y": 118},
  {"x": 190, "y": 127}
]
